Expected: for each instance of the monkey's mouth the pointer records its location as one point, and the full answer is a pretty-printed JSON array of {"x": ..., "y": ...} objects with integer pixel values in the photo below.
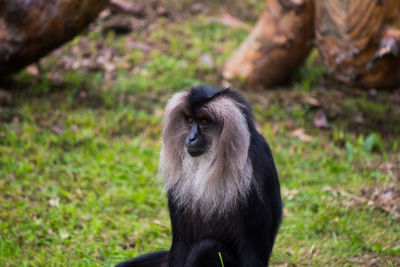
[{"x": 194, "y": 151}]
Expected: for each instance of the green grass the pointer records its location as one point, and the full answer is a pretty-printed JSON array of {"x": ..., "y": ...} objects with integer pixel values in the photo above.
[
  {"x": 220, "y": 258},
  {"x": 79, "y": 154}
]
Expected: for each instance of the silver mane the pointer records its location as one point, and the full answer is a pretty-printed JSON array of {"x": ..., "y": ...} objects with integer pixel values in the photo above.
[{"x": 217, "y": 181}]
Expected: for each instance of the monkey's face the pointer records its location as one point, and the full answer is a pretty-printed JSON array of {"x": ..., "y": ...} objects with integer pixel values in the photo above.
[
  {"x": 197, "y": 141},
  {"x": 204, "y": 123}
]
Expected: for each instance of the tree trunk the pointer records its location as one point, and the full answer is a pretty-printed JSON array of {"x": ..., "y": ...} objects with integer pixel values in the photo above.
[
  {"x": 31, "y": 29},
  {"x": 277, "y": 45},
  {"x": 359, "y": 40}
]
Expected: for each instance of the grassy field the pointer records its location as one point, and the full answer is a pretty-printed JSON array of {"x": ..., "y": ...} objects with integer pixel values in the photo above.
[{"x": 79, "y": 145}]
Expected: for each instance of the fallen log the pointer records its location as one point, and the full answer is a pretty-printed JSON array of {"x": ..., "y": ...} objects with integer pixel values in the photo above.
[
  {"x": 277, "y": 45},
  {"x": 359, "y": 41},
  {"x": 31, "y": 29}
]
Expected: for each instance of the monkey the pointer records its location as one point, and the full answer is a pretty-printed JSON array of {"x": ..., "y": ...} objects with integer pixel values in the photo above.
[{"x": 222, "y": 185}]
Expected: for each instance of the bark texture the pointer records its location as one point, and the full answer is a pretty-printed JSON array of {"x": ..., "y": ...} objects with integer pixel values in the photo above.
[
  {"x": 359, "y": 40},
  {"x": 277, "y": 45},
  {"x": 29, "y": 29}
]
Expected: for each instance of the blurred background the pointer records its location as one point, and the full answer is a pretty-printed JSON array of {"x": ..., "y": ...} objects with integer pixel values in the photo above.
[{"x": 83, "y": 85}]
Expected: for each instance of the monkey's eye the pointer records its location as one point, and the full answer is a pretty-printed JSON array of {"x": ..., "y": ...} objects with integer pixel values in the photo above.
[
  {"x": 189, "y": 120},
  {"x": 204, "y": 121}
]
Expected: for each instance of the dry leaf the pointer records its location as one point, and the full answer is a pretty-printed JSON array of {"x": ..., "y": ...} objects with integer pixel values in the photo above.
[
  {"x": 127, "y": 7},
  {"x": 57, "y": 129},
  {"x": 300, "y": 133},
  {"x": 206, "y": 60},
  {"x": 158, "y": 112},
  {"x": 320, "y": 120},
  {"x": 54, "y": 202},
  {"x": 33, "y": 69},
  {"x": 229, "y": 20},
  {"x": 232, "y": 21},
  {"x": 312, "y": 101}
]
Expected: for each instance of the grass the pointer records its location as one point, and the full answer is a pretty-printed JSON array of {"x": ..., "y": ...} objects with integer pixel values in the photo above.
[
  {"x": 220, "y": 258},
  {"x": 79, "y": 152}
]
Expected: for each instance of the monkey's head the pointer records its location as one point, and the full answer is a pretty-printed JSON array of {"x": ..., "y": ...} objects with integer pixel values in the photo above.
[
  {"x": 206, "y": 139},
  {"x": 202, "y": 118}
]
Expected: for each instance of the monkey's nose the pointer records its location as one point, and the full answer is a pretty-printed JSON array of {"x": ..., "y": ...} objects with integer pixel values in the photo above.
[
  {"x": 191, "y": 140},
  {"x": 192, "y": 137}
]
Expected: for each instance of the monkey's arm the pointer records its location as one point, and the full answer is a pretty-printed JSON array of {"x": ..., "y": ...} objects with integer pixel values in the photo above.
[
  {"x": 154, "y": 259},
  {"x": 258, "y": 234},
  {"x": 256, "y": 251},
  {"x": 180, "y": 245},
  {"x": 253, "y": 261}
]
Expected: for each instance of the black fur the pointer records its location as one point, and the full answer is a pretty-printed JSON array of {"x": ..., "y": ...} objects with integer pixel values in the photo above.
[
  {"x": 246, "y": 236},
  {"x": 201, "y": 95},
  {"x": 154, "y": 259}
]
